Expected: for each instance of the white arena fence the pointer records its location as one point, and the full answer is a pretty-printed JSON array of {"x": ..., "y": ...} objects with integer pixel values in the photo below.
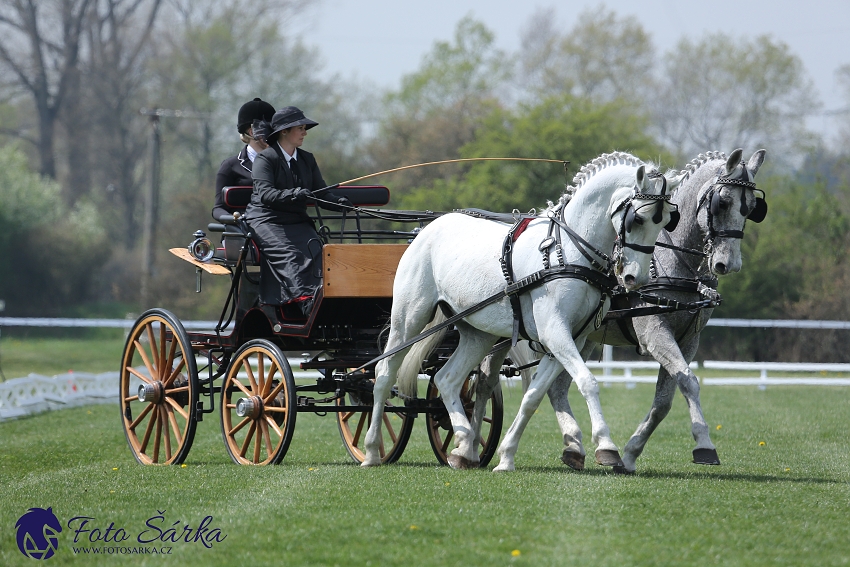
[{"x": 35, "y": 393}]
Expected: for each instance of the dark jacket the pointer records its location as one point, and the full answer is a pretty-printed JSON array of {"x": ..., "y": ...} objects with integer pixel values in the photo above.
[
  {"x": 273, "y": 198},
  {"x": 234, "y": 171}
]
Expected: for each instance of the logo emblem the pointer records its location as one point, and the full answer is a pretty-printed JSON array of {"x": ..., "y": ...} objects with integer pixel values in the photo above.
[{"x": 38, "y": 533}]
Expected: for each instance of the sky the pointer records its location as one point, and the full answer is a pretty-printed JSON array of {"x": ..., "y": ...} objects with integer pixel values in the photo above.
[{"x": 382, "y": 40}]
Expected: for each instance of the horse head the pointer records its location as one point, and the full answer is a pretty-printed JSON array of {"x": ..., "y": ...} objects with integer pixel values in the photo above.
[
  {"x": 725, "y": 203},
  {"x": 638, "y": 214}
]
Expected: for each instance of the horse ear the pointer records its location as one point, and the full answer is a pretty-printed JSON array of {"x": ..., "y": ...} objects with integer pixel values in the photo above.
[
  {"x": 640, "y": 178},
  {"x": 674, "y": 179},
  {"x": 733, "y": 161},
  {"x": 755, "y": 161}
]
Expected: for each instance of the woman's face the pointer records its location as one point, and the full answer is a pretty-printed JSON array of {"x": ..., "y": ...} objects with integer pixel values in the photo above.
[{"x": 294, "y": 136}]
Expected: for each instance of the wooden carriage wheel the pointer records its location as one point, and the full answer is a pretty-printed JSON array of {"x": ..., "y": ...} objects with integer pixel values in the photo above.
[
  {"x": 439, "y": 426},
  {"x": 258, "y": 405},
  {"x": 159, "y": 389},
  {"x": 395, "y": 428}
]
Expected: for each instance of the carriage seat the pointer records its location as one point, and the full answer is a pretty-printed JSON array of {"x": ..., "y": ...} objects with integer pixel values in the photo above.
[{"x": 237, "y": 197}]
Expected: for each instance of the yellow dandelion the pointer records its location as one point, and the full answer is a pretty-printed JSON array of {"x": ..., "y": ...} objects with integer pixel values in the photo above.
[
  {"x": 111, "y": 492},
  {"x": 311, "y": 469},
  {"x": 448, "y": 484},
  {"x": 787, "y": 469},
  {"x": 762, "y": 443},
  {"x": 115, "y": 468},
  {"x": 515, "y": 553},
  {"x": 719, "y": 427},
  {"x": 412, "y": 527},
  {"x": 183, "y": 466}
]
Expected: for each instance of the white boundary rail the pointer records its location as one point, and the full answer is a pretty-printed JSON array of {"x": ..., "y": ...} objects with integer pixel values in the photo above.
[{"x": 35, "y": 393}]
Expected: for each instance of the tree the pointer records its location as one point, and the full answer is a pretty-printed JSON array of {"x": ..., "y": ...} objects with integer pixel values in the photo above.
[
  {"x": 439, "y": 107},
  {"x": 44, "y": 63},
  {"x": 559, "y": 128},
  {"x": 603, "y": 57},
  {"x": 723, "y": 92}
]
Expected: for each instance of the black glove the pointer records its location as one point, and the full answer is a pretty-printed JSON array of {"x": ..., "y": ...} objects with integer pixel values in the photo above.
[
  {"x": 300, "y": 194},
  {"x": 336, "y": 199}
]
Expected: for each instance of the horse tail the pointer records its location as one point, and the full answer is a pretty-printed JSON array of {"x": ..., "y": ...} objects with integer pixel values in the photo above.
[{"x": 411, "y": 366}]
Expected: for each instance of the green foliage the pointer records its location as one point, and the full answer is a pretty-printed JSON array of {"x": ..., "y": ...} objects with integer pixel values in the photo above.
[{"x": 559, "y": 128}]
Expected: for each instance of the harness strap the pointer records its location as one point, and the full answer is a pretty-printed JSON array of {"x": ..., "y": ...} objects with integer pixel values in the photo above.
[{"x": 605, "y": 283}]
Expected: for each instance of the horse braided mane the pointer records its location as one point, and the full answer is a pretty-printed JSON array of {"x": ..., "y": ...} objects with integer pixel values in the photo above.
[
  {"x": 593, "y": 167},
  {"x": 699, "y": 161}
]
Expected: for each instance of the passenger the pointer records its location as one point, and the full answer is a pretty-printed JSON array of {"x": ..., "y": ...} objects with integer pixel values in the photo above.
[
  {"x": 236, "y": 170},
  {"x": 284, "y": 177}
]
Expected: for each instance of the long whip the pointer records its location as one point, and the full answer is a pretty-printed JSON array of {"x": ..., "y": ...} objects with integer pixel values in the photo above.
[{"x": 356, "y": 179}]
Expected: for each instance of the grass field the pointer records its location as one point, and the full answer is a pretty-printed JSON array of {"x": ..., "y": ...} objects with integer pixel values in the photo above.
[{"x": 781, "y": 497}]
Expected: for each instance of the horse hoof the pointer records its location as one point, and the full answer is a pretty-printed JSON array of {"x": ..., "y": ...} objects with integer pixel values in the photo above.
[
  {"x": 706, "y": 457},
  {"x": 622, "y": 470},
  {"x": 573, "y": 460},
  {"x": 460, "y": 463},
  {"x": 608, "y": 458}
]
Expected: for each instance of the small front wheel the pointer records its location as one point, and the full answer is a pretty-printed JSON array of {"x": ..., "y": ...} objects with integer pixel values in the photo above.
[{"x": 258, "y": 405}]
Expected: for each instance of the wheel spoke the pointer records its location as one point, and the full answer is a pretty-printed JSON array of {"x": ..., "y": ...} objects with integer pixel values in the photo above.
[
  {"x": 239, "y": 426},
  {"x": 266, "y": 437},
  {"x": 250, "y": 372},
  {"x": 176, "y": 371},
  {"x": 239, "y": 385},
  {"x": 346, "y": 416},
  {"x": 166, "y": 434},
  {"x": 261, "y": 371},
  {"x": 175, "y": 390},
  {"x": 277, "y": 389},
  {"x": 257, "y": 442},
  {"x": 157, "y": 436},
  {"x": 486, "y": 419},
  {"x": 177, "y": 408},
  {"x": 364, "y": 418},
  {"x": 172, "y": 349},
  {"x": 152, "y": 342},
  {"x": 139, "y": 375},
  {"x": 149, "y": 428},
  {"x": 248, "y": 438},
  {"x": 176, "y": 428},
  {"x": 140, "y": 417},
  {"x": 141, "y": 350},
  {"x": 269, "y": 380},
  {"x": 390, "y": 428},
  {"x": 273, "y": 424},
  {"x": 448, "y": 438},
  {"x": 163, "y": 368},
  {"x": 381, "y": 449},
  {"x": 275, "y": 410}
]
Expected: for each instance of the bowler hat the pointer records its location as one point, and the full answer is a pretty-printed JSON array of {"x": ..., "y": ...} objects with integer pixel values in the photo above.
[
  {"x": 289, "y": 117},
  {"x": 253, "y": 110}
]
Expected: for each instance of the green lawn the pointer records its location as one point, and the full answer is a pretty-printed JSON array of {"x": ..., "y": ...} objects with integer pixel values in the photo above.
[
  {"x": 781, "y": 497},
  {"x": 49, "y": 357}
]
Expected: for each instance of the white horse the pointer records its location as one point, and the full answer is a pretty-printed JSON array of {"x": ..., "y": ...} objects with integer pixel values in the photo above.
[
  {"x": 716, "y": 198},
  {"x": 454, "y": 264}
]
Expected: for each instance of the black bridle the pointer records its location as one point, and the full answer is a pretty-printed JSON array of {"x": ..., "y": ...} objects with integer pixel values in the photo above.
[{"x": 712, "y": 198}]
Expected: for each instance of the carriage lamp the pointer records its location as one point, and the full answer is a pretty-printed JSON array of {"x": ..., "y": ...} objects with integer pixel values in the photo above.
[{"x": 201, "y": 248}]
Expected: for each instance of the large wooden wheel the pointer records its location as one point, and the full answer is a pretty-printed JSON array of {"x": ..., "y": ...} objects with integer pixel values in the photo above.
[
  {"x": 395, "y": 427},
  {"x": 258, "y": 405},
  {"x": 159, "y": 389},
  {"x": 439, "y": 426}
]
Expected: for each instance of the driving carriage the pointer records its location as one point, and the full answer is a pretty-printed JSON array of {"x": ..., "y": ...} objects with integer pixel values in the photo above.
[{"x": 172, "y": 377}]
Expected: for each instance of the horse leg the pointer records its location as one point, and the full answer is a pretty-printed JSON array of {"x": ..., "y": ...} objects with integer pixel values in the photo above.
[
  {"x": 472, "y": 347},
  {"x": 406, "y": 322},
  {"x": 665, "y": 387},
  {"x": 705, "y": 453},
  {"x": 568, "y": 355},
  {"x": 574, "y": 454},
  {"x": 488, "y": 381},
  {"x": 537, "y": 388}
]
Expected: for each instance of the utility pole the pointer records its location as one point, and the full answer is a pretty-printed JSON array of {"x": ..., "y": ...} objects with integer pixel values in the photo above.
[{"x": 152, "y": 195}]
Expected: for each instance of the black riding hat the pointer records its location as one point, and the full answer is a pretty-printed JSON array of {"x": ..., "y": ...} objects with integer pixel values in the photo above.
[
  {"x": 289, "y": 117},
  {"x": 253, "y": 110}
]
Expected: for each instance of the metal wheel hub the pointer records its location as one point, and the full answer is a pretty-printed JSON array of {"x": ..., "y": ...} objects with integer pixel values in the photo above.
[
  {"x": 151, "y": 392},
  {"x": 249, "y": 407}
]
